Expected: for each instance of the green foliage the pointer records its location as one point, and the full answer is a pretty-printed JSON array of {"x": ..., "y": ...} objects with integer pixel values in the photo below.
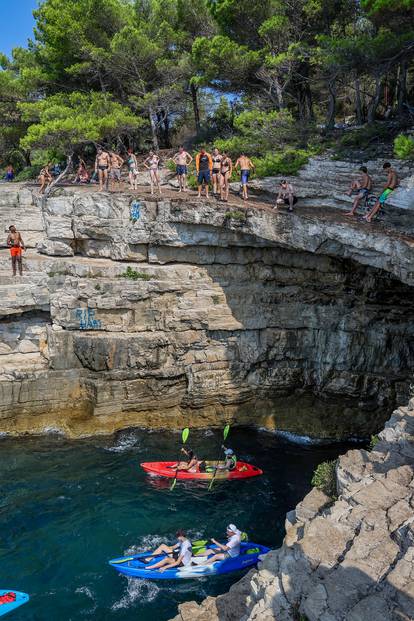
[
  {"x": 373, "y": 442},
  {"x": 28, "y": 173},
  {"x": 288, "y": 162},
  {"x": 404, "y": 147},
  {"x": 132, "y": 274},
  {"x": 324, "y": 478},
  {"x": 237, "y": 215}
]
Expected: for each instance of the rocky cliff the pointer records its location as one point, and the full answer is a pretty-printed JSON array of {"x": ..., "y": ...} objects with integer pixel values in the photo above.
[
  {"x": 346, "y": 560},
  {"x": 136, "y": 311}
]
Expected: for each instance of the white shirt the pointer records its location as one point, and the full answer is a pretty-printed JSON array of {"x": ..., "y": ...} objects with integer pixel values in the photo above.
[
  {"x": 185, "y": 551},
  {"x": 233, "y": 545}
]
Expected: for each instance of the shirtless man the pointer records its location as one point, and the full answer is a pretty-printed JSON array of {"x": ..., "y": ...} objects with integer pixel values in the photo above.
[
  {"x": 45, "y": 178},
  {"x": 16, "y": 245},
  {"x": 116, "y": 165},
  {"x": 364, "y": 188},
  {"x": 286, "y": 195},
  {"x": 215, "y": 175},
  {"x": 182, "y": 160},
  {"x": 392, "y": 183},
  {"x": 246, "y": 165},
  {"x": 102, "y": 163}
]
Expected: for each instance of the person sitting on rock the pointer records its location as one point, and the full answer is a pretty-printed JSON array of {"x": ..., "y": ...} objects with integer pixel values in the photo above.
[
  {"x": 365, "y": 185},
  {"x": 231, "y": 549},
  {"x": 392, "y": 183},
  {"x": 286, "y": 195},
  {"x": 181, "y": 552}
]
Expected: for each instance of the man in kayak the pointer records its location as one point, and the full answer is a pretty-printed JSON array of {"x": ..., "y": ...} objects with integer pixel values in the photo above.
[
  {"x": 181, "y": 553},
  {"x": 191, "y": 464},
  {"x": 227, "y": 550},
  {"x": 230, "y": 462}
]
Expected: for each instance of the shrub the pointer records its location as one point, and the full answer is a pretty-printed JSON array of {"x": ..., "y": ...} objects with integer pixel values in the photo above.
[
  {"x": 30, "y": 172},
  {"x": 134, "y": 275},
  {"x": 171, "y": 165},
  {"x": 288, "y": 162},
  {"x": 373, "y": 443},
  {"x": 404, "y": 147},
  {"x": 324, "y": 478},
  {"x": 235, "y": 215}
]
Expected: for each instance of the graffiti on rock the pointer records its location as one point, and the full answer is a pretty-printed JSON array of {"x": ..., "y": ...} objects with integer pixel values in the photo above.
[{"x": 86, "y": 318}]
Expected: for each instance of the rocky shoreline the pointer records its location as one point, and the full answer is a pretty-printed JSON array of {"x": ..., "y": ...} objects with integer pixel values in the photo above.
[{"x": 344, "y": 559}]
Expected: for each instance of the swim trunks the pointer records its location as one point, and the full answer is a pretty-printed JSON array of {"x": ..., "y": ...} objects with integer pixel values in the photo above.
[
  {"x": 116, "y": 174},
  {"x": 103, "y": 167},
  {"x": 181, "y": 169},
  {"x": 286, "y": 200},
  {"x": 385, "y": 195},
  {"x": 203, "y": 175},
  {"x": 245, "y": 174},
  {"x": 16, "y": 251}
]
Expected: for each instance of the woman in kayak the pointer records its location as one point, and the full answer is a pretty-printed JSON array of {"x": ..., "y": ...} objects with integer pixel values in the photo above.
[
  {"x": 191, "y": 465},
  {"x": 227, "y": 550},
  {"x": 181, "y": 553}
]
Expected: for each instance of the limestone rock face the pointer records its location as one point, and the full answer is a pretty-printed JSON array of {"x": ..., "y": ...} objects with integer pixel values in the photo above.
[
  {"x": 349, "y": 560},
  {"x": 143, "y": 309}
]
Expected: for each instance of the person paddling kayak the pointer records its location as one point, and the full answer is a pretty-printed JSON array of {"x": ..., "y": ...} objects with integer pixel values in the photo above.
[
  {"x": 181, "y": 553},
  {"x": 230, "y": 460},
  {"x": 191, "y": 464},
  {"x": 227, "y": 550}
]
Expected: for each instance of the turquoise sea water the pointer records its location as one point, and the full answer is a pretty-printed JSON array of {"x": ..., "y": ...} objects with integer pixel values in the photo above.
[{"x": 68, "y": 507}]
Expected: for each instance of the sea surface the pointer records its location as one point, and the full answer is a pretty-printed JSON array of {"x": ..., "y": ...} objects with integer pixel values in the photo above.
[{"x": 67, "y": 507}]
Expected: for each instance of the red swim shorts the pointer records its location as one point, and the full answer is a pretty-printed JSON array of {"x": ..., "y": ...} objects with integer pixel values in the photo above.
[{"x": 16, "y": 251}]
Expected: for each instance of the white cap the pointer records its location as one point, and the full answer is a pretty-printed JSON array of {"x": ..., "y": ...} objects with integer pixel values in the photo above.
[{"x": 233, "y": 528}]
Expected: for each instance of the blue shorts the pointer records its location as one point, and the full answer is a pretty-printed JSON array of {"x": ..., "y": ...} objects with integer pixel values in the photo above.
[
  {"x": 181, "y": 169},
  {"x": 204, "y": 175},
  {"x": 245, "y": 174}
]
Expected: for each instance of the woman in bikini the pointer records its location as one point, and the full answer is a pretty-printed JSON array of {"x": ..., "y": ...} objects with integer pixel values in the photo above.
[
  {"x": 217, "y": 158},
  {"x": 226, "y": 169},
  {"x": 152, "y": 163},
  {"x": 132, "y": 170},
  {"x": 44, "y": 178}
]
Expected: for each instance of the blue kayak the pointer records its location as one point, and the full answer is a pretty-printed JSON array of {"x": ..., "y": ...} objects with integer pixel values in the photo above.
[
  {"x": 134, "y": 566},
  {"x": 9, "y": 600}
]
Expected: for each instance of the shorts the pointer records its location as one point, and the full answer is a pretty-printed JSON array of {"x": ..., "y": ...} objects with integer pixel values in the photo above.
[
  {"x": 16, "y": 251},
  {"x": 9, "y": 176},
  {"x": 216, "y": 171},
  {"x": 286, "y": 200},
  {"x": 181, "y": 169},
  {"x": 103, "y": 167},
  {"x": 116, "y": 174},
  {"x": 363, "y": 192},
  {"x": 203, "y": 175},
  {"x": 385, "y": 195},
  {"x": 133, "y": 171},
  {"x": 245, "y": 174}
]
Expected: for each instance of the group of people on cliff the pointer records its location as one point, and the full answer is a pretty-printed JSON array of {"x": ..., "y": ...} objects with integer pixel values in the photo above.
[{"x": 362, "y": 190}]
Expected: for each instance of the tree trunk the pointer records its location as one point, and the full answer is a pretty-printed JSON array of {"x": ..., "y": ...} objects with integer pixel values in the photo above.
[
  {"x": 59, "y": 177},
  {"x": 194, "y": 98},
  {"x": 166, "y": 130},
  {"x": 155, "y": 143},
  {"x": 330, "y": 117},
  {"x": 372, "y": 108},
  {"x": 401, "y": 86},
  {"x": 358, "y": 103},
  {"x": 26, "y": 155}
]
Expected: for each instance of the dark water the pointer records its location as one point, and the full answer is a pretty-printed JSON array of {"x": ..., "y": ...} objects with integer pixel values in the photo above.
[{"x": 68, "y": 507}]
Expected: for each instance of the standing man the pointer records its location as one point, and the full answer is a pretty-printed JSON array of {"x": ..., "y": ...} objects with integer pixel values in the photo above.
[
  {"x": 365, "y": 186},
  {"x": 392, "y": 183},
  {"x": 246, "y": 165},
  {"x": 204, "y": 167},
  {"x": 16, "y": 245},
  {"x": 102, "y": 164},
  {"x": 182, "y": 160},
  {"x": 116, "y": 165}
]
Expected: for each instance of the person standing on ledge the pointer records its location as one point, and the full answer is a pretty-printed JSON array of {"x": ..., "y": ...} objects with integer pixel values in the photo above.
[
  {"x": 182, "y": 160},
  {"x": 246, "y": 165},
  {"x": 392, "y": 183},
  {"x": 102, "y": 163},
  {"x": 16, "y": 245},
  {"x": 152, "y": 164},
  {"x": 116, "y": 165},
  {"x": 204, "y": 167}
]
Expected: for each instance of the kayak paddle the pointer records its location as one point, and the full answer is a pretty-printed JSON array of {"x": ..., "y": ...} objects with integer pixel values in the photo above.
[
  {"x": 184, "y": 437},
  {"x": 225, "y": 434}
]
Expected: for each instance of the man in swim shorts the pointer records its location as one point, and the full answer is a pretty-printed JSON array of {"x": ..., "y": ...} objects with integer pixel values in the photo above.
[
  {"x": 116, "y": 165},
  {"x": 16, "y": 245},
  {"x": 102, "y": 164},
  {"x": 364, "y": 188},
  {"x": 204, "y": 167},
  {"x": 182, "y": 160},
  {"x": 246, "y": 165},
  {"x": 222, "y": 551},
  {"x": 181, "y": 553},
  {"x": 392, "y": 183},
  {"x": 286, "y": 195}
]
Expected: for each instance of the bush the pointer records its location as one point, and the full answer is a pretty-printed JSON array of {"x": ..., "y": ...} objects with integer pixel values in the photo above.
[
  {"x": 324, "y": 478},
  {"x": 28, "y": 173},
  {"x": 240, "y": 216},
  {"x": 404, "y": 147},
  {"x": 373, "y": 442},
  {"x": 134, "y": 275},
  {"x": 288, "y": 162}
]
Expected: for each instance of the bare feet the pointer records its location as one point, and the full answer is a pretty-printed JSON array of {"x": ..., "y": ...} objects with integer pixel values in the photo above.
[{"x": 349, "y": 213}]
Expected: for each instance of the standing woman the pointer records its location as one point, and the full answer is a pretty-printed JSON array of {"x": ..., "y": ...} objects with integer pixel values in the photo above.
[
  {"x": 152, "y": 163},
  {"x": 132, "y": 170},
  {"x": 217, "y": 158},
  {"x": 45, "y": 178},
  {"x": 226, "y": 169}
]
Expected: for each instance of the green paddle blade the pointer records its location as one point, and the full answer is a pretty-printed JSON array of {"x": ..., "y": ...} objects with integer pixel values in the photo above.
[
  {"x": 173, "y": 484},
  {"x": 185, "y": 434},
  {"x": 226, "y": 431}
]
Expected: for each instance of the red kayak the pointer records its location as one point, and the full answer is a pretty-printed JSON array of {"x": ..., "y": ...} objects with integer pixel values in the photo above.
[{"x": 164, "y": 469}]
